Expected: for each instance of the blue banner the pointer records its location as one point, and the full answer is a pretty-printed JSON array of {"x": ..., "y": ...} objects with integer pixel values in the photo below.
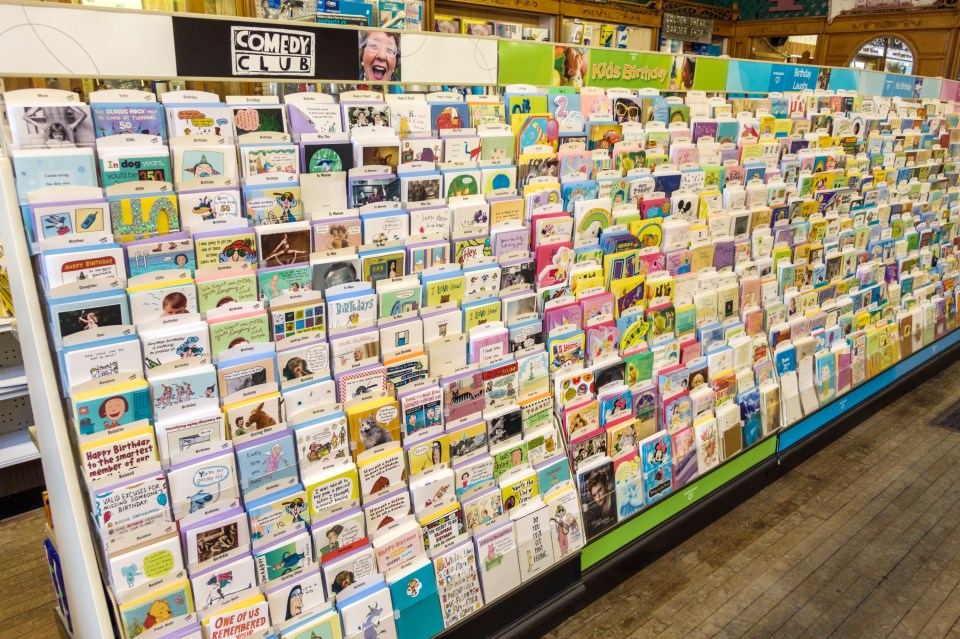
[
  {"x": 791, "y": 77},
  {"x": 901, "y": 86},
  {"x": 748, "y": 76},
  {"x": 871, "y": 83},
  {"x": 842, "y": 79}
]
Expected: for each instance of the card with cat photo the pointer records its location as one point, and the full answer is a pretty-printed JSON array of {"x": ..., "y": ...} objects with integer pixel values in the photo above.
[
  {"x": 385, "y": 155},
  {"x": 373, "y": 422}
]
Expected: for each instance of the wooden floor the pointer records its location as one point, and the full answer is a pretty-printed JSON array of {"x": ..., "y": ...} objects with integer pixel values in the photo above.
[
  {"x": 26, "y": 606},
  {"x": 861, "y": 540}
]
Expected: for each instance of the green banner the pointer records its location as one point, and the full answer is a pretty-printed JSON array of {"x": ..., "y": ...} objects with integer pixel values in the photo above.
[
  {"x": 607, "y": 544},
  {"x": 630, "y": 70},
  {"x": 711, "y": 74},
  {"x": 525, "y": 63}
]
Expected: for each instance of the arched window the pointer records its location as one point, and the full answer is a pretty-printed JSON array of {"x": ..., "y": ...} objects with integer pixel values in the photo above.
[{"x": 889, "y": 54}]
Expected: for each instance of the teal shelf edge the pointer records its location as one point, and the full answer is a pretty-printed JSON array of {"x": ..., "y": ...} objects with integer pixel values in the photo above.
[{"x": 809, "y": 425}]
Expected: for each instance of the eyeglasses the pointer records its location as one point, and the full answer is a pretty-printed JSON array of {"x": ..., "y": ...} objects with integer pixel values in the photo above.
[
  {"x": 632, "y": 111},
  {"x": 376, "y": 47}
]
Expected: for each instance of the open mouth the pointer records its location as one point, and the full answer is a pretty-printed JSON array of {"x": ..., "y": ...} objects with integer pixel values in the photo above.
[{"x": 378, "y": 71}]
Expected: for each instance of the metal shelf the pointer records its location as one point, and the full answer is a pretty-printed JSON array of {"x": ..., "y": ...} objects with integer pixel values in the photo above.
[{"x": 17, "y": 448}]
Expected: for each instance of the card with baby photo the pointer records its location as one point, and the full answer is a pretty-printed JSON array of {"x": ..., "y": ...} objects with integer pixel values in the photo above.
[
  {"x": 163, "y": 299},
  {"x": 282, "y": 245},
  {"x": 171, "y": 252},
  {"x": 335, "y": 233},
  {"x": 237, "y": 331},
  {"x": 226, "y": 287}
]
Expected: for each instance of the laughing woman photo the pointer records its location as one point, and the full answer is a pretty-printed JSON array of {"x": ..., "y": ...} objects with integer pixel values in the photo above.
[{"x": 379, "y": 56}]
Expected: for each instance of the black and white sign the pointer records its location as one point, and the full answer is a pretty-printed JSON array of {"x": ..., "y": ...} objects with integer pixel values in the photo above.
[
  {"x": 262, "y": 52},
  {"x": 208, "y": 48},
  {"x": 686, "y": 28}
]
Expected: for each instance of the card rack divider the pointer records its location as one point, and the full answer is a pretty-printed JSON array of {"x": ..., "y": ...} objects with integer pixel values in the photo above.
[{"x": 81, "y": 576}]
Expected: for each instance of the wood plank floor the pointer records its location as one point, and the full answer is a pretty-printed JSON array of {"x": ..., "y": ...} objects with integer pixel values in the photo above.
[{"x": 861, "y": 540}]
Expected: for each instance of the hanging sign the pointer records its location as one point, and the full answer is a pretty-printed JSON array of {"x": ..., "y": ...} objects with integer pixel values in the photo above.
[{"x": 686, "y": 28}]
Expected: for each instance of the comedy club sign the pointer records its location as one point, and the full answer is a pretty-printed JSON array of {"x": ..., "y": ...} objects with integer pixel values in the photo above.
[{"x": 266, "y": 51}]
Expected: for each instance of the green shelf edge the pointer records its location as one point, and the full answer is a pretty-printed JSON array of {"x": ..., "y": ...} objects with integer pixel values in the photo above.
[{"x": 608, "y": 544}]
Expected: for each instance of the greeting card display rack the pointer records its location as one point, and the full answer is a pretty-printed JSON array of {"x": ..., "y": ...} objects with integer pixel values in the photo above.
[{"x": 568, "y": 585}]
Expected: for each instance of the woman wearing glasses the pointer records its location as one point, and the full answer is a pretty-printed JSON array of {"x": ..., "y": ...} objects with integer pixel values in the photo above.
[{"x": 379, "y": 56}]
